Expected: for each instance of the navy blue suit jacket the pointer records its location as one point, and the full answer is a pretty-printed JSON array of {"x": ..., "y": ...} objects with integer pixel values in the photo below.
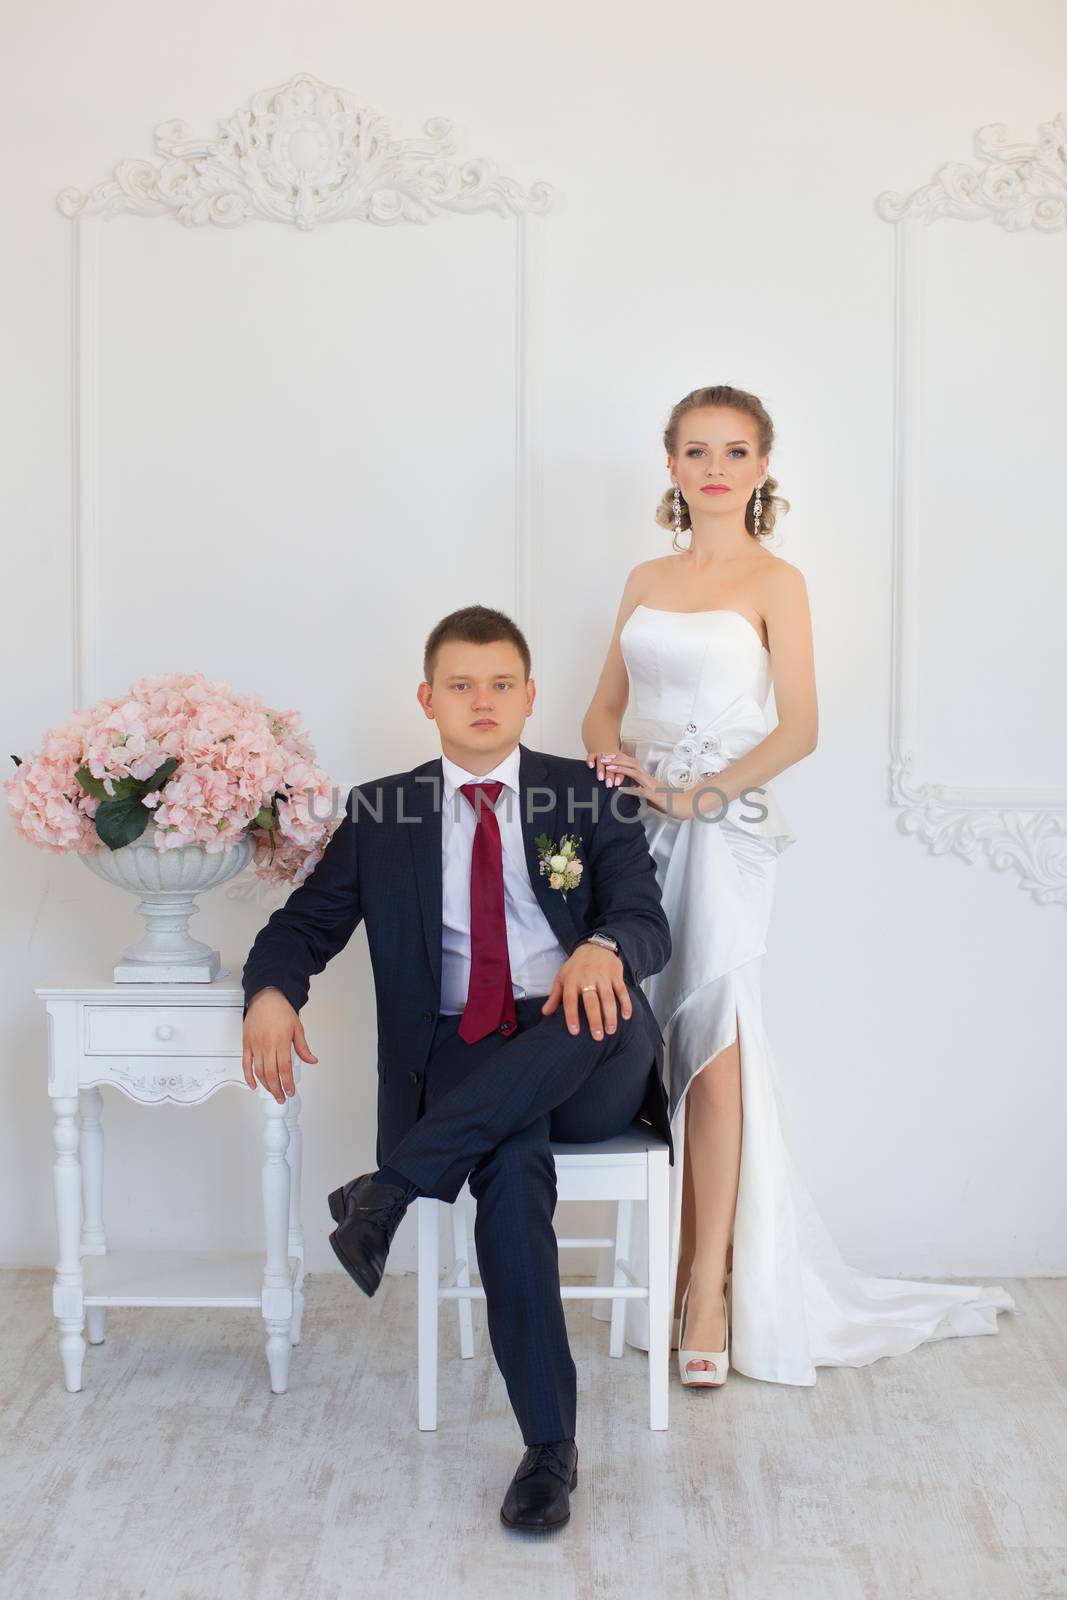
[{"x": 382, "y": 866}]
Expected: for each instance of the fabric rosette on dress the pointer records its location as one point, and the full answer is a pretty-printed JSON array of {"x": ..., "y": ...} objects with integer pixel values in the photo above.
[
  {"x": 697, "y": 754},
  {"x": 680, "y": 756}
]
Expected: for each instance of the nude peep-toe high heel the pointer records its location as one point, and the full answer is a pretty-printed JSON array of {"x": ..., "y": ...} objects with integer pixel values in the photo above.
[{"x": 701, "y": 1377}]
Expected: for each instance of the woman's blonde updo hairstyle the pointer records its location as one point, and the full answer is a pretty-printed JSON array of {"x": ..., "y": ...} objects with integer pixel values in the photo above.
[{"x": 721, "y": 394}]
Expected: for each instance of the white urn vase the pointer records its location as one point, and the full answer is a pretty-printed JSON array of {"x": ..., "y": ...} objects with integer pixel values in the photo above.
[{"x": 168, "y": 882}]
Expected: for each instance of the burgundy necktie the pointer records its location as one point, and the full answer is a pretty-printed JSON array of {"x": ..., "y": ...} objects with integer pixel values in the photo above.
[{"x": 490, "y": 1000}]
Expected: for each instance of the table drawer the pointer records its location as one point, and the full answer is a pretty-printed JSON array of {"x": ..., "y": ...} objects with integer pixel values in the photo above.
[{"x": 163, "y": 1031}]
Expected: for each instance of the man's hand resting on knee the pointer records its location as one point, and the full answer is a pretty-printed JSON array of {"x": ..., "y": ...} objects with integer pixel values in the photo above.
[
  {"x": 595, "y": 976},
  {"x": 272, "y": 1031}
]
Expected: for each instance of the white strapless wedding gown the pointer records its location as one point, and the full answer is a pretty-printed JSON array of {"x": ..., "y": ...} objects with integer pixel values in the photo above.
[{"x": 699, "y": 683}]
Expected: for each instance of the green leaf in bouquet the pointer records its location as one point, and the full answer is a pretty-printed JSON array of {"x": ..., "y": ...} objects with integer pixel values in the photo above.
[
  {"x": 127, "y": 788},
  {"x": 120, "y": 822},
  {"x": 264, "y": 818},
  {"x": 160, "y": 776},
  {"x": 91, "y": 785}
]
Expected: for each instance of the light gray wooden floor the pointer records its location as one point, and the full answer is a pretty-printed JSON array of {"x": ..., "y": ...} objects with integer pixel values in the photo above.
[{"x": 176, "y": 1475}]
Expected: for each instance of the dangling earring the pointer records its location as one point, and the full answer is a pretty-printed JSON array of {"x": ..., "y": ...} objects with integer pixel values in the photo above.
[
  {"x": 757, "y": 511},
  {"x": 677, "y": 511}
]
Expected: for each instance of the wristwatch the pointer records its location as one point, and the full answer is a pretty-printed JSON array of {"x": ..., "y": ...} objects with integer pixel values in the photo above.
[{"x": 603, "y": 939}]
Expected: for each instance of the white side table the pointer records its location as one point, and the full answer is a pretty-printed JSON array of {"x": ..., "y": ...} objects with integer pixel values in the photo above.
[{"x": 162, "y": 1042}]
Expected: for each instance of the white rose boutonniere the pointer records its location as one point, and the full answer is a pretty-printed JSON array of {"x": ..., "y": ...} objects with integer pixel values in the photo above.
[{"x": 560, "y": 861}]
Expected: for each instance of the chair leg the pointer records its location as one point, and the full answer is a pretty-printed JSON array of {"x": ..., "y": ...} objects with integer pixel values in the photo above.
[
  {"x": 429, "y": 1278},
  {"x": 659, "y": 1312},
  {"x": 623, "y": 1225},
  {"x": 461, "y": 1247}
]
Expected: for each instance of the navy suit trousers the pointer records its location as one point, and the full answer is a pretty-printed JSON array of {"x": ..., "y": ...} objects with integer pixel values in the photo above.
[{"x": 489, "y": 1112}]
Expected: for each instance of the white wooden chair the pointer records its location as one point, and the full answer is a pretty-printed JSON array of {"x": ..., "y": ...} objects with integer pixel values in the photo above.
[{"x": 633, "y": 1166}]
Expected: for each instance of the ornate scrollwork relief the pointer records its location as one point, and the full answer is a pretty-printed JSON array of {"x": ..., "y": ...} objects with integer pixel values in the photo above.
[
  {"x": 305, "y": 152},
  {"x": 1018, "y": 185}
]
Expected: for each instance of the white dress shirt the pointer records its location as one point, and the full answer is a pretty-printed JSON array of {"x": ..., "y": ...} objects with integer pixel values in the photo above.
[{"x": 534, "y": 952}]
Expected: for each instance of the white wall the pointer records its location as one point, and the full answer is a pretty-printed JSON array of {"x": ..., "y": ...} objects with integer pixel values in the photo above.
[{"x": 716, "y": 170}]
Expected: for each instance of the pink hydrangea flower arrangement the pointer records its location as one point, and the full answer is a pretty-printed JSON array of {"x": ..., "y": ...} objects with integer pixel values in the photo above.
[{"x": 203, "y": 763}]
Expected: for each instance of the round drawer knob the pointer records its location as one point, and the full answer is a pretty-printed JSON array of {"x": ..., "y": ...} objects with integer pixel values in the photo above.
[{"x": 164, "y": 1031}]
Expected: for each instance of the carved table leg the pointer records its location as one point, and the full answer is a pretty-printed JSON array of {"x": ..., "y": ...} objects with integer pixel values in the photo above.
[
  {"x": 93, "y": 1237},
  {"x": 277, "y": 1285},
  {"x": 296, "y": 1228},
  {"x": 69, "y": 1284}
]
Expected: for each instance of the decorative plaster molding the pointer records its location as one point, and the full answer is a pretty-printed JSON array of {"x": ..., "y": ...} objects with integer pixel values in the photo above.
[
  {"x": 1019, "y": 186},
  {"x": 1024, "y": 186},
  {"x": 305, "y": 152}
]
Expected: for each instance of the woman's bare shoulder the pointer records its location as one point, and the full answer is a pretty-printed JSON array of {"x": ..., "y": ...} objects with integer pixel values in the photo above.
[
  {"x": 777, "y": 571},
  {"x": 780, "y": 590},
  {"x": 642, "y": 578},
  {"x": 648, "y": 571}
]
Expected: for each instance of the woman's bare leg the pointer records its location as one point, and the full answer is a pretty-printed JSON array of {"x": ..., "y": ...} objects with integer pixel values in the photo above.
[
  {"x": 709, "y": 1196},
  {"x": 687, "y": 1230}
]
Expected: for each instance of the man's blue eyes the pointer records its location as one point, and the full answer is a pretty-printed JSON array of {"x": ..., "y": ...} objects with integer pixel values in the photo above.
[{"x": 496, "y": 686}]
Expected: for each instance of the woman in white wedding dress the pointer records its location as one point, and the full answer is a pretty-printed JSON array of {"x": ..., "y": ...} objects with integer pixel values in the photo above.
[{"x": 701, "y": 637}]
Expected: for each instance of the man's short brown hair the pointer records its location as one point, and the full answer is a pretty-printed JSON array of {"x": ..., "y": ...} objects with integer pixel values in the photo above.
[{"x": 474, "y": 625}]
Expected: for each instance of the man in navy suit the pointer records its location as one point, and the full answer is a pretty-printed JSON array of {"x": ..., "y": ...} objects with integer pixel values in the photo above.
[{"x": 509, "y": 1010}]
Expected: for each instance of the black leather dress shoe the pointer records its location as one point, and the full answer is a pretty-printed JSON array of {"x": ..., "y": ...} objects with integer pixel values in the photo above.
[
  {"x": 539, "y": 1495},
  {"x": 367, "y": 1214}
]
